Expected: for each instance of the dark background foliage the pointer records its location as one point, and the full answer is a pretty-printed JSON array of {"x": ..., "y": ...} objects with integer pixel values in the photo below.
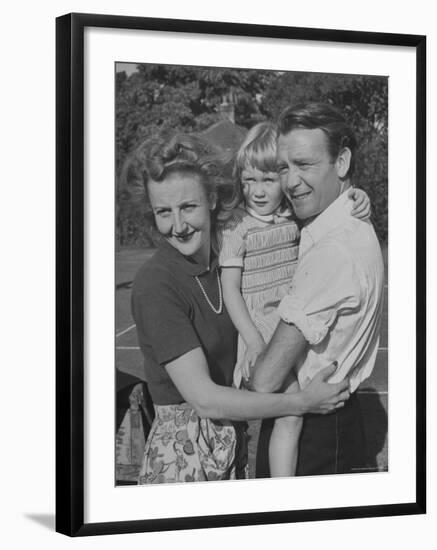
[{"x": 158, "y": 98}]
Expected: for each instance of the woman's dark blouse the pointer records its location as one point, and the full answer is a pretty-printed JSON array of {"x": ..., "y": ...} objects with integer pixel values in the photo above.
[{"x": 173, "y": 318}]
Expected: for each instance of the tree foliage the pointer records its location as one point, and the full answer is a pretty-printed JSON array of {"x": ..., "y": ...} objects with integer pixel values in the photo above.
[
  {"x": 166, "y": 97},
  {"x": 161, "y": 98}
]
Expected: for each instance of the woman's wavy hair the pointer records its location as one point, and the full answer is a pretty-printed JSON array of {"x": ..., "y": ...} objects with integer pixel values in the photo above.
[{"x": 158, "y": 157}]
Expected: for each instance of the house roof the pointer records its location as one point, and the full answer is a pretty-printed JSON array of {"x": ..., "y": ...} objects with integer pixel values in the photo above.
[{"x": 225, "y": 134}]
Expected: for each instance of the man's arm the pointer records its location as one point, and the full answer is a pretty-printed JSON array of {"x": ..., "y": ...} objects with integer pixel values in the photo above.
[
  {"x": 284, "y": 351},
  {"x": 324, "y": 286}
]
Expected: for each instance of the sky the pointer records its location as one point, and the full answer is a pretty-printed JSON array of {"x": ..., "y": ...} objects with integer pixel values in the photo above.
[{"x": 128, "y": 67}]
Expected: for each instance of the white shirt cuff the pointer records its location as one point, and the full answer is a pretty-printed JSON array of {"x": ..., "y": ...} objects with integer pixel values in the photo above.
[{"x": 291, "y": 311}]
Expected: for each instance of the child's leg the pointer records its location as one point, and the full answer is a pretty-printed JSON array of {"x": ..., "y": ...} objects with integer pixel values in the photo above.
[{"x": 284, "y": 441}]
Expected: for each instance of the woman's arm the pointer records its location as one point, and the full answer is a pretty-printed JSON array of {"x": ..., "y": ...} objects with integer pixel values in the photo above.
[
  {"x": 190, "y": 374},
  {"x": 237, "y": 309}
]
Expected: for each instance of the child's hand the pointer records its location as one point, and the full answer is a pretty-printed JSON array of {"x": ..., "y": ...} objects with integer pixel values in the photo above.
[
  {"x": 254, "y": 349},
  {"x": 361, "y": 208}
]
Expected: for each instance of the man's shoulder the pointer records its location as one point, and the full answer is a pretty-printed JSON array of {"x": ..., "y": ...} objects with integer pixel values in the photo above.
[
  {"x": 354, "y": 244},
  {"x": 351, "y": 235}
]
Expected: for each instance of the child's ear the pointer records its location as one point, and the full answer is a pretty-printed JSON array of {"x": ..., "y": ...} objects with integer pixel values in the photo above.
[{"x": 343, "y": 162}]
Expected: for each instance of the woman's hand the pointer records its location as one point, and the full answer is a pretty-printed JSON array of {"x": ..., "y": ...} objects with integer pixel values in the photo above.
[
  {"x": 320, "y": 397},
  {"x": 361, "y": 208}
]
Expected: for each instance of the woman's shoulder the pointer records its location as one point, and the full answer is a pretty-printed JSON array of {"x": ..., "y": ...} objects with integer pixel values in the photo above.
[{"x": 154, "y": 274}]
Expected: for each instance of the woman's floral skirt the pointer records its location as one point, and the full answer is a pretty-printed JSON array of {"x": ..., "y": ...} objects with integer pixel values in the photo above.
[{"x": 182, "y": 447}]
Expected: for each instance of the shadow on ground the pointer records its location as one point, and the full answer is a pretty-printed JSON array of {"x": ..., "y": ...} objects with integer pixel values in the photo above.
[{"x": 46, "y": 520}]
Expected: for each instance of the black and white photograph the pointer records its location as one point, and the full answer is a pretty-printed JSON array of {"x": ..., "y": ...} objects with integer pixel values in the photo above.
[
  {"x": 217, "y": 269},
  {"x": 239, "y": 248},
  {"x": 251, "y": 271}
]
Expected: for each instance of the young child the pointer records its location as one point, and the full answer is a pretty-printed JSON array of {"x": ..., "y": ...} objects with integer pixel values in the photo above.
[{"x": 258, "y": 252}]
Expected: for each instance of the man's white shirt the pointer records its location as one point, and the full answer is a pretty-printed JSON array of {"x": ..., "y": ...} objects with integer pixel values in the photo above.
[{"x": 336, "y": 295}]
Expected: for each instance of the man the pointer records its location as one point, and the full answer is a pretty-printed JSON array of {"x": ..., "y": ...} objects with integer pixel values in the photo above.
[{"x": 332, "y": 312}]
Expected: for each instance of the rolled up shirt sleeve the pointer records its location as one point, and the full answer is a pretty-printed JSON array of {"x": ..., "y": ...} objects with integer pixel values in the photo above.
[{"x": 325, "y": 286}]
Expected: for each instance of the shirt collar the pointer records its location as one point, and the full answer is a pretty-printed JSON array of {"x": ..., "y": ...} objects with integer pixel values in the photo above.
[
  {"x": 332, "y": 217},
  {"x": 173, "y": 257},
  {"x": 269, "y": 218}
]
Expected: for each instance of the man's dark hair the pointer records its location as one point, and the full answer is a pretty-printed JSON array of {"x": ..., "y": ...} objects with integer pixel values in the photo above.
[{"x": 323, "y": 116}]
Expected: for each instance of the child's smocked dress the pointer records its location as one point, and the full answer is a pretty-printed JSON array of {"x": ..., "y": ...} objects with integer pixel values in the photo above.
[{"x": 266, "y": 249}]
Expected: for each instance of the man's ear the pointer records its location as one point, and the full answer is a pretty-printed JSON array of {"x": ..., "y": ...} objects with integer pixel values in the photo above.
[{"x": 343, "y": 162}]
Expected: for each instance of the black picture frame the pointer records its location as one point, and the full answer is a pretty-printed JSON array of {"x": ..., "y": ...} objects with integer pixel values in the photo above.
[{"x": 70, "y": 272}]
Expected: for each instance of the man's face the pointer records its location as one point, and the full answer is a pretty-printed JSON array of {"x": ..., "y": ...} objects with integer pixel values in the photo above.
[{"x": 309, "y": 177}]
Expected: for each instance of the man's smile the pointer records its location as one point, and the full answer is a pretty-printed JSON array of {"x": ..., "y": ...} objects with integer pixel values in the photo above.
[{"x": 300, "y": 196}]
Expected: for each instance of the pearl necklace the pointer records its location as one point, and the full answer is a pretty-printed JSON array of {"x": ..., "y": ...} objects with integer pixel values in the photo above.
[{"x": 219, "y": 309}]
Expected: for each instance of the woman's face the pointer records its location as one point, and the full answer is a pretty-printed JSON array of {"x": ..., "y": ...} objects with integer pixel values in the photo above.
[{"x": 183, "y": 214}]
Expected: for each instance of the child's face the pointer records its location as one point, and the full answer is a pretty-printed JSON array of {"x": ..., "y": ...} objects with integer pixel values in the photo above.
[{"x": 261, "y": 190}]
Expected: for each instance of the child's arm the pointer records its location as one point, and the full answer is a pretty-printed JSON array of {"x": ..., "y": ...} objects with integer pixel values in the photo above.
[
  {"x": 237, "y": 309},
  {"x": 361, "y": 208}
]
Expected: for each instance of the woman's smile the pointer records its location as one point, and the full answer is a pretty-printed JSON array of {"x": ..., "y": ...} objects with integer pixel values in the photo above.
[{"x": 184, "y": 237}]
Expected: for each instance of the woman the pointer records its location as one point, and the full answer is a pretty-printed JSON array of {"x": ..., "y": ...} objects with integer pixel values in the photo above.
[{"x": 186, "y": 335}]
